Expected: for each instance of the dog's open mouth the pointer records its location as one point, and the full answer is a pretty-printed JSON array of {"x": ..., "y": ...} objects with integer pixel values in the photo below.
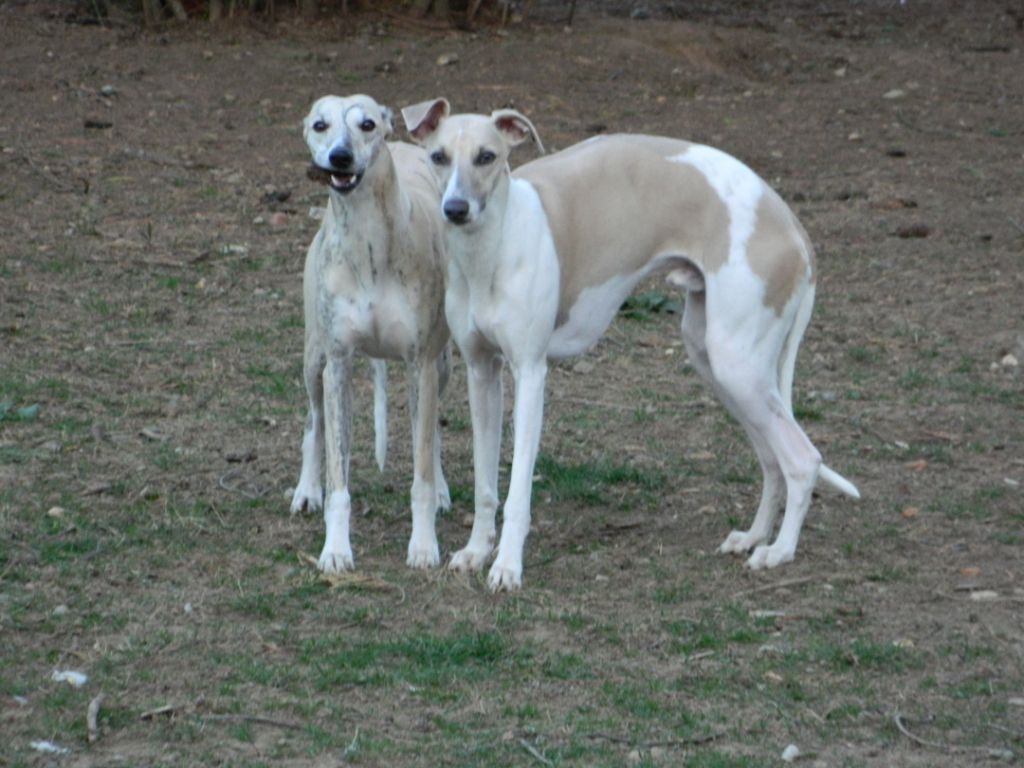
[{"x": 340, "y": 182}]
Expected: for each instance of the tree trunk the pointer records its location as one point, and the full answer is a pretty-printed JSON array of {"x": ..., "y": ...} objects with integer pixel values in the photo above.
[
  {"x": 309, "y": 8},
  {"x": 152, "y": 12},
  {"x": 216, "y": 10},
  {"x": 178, "y": 10}
]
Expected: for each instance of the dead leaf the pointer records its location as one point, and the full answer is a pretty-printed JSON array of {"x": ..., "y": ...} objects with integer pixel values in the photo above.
[
  {"x": 917, "y": 466},
  {"x": 910, "y": 512}
]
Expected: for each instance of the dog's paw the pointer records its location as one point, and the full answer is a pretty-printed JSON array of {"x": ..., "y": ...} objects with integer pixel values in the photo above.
[
  {"x": 740, "y": 542},
  {"x": 306, "y": 499},
  {"x": 469, "y": 559},
  {"x": 506, "y": 577},
  {"x": 336, "y": 561},
  {"x": 423, "y": 555},
  {"x": 769, "y": 557}
]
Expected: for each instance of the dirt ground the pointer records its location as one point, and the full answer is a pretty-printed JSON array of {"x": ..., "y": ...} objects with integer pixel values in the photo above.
[{"x": 154, "y": 215}]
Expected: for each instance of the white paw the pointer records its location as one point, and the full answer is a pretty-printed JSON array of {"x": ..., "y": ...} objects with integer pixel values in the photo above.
[
  {"x": 769, "y": 557},
  {"x": 423, "y": 555},
  {"x": 470, "y": 559},
  {"x": 740, "y": 542},
  {"x": 307, "y": 499},
  {"x": 336, "y": 562},
  {"x": 505, "y": 576}
]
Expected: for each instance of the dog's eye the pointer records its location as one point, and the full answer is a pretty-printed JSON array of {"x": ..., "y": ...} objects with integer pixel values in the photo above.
[
  {"x": 486, "y": 157},
  {"x": 319, "y": 126},
  {"x": 367, "y": 125},
  {"x": 439, "y": 157}
]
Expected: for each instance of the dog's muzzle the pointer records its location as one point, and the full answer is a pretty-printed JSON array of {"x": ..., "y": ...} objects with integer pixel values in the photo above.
[
  {"x": 456, "y": 211},
  {"x": 336, "y": 180}
]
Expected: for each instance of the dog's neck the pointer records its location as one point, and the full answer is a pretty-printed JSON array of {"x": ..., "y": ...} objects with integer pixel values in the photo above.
[
  {"x": 478, "y": 249},
  {"x": 379, "y": 190}
]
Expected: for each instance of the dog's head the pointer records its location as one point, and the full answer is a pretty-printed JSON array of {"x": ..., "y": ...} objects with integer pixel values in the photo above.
[
  {"x": 345, "y": 135},
  {"x": 469, "y": 153}
]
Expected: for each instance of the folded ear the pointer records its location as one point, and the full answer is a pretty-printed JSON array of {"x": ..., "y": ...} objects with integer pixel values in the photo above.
[
  {"x": 422, "y": 119},
  {"x": 389, "y": 120},
  {"x": 516, "y": 127}
]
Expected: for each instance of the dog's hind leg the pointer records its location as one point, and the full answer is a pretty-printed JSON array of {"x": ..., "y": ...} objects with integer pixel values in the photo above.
[
  {"x": 745, "y": 371},
  {"x": 309, "y": 493},
  {"x": 337, "y": 384},
  {"x": 380, "y": 412},
  {"x": 423, "y": 396},
  {"x": 694, "y": 328}
]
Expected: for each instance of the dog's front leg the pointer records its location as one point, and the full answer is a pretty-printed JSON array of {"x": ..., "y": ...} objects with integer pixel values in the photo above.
[
  {"x": 485, "y": 406},
  {"x": 507, "y": 571},
  {"x": 423, "y": 396},
  {"x": 337, "y": 552}
]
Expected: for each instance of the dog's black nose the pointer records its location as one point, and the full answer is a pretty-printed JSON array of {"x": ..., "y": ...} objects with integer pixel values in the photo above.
[
  {"x": 340, "y": 159},
  {"x": 457, "y": 211}
]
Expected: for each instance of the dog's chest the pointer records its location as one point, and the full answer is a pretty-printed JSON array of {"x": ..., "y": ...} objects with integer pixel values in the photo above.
[{"x": 374, "y": 318}]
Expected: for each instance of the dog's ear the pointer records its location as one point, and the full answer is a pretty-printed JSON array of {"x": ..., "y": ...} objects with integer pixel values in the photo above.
[
  {"x": 422, "y": 119},
  {"x": 516, "y": 127},
  {"x": 389, "y": 120}
]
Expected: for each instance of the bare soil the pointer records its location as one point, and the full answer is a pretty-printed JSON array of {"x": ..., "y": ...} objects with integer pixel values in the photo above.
[{"x": 155, "y": 214}]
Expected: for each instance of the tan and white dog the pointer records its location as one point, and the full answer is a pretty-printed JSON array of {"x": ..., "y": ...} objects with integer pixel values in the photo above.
[
  {"x": 541, "y": 259},
  {"x": 373, "y": 284}
]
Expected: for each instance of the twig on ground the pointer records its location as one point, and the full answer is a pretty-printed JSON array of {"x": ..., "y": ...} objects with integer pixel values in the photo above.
[
  {"x": 350, "y": 579},
  {"x": 1016, "y": 223},
  {"x": 534, "y": 753},
  {"x": 353, "y": 747},
  {"x": 778, "y": 585},
  {"x": 231, "y": 474},
  {"x": 92, "y": 718},
  {"x": 242, "y": 718},
  {"x": 166, "y": 709},
  {"x": 950, "y": 748},
  {"x": 649, "y": 744},
  {"x": 699, "y": 656}
]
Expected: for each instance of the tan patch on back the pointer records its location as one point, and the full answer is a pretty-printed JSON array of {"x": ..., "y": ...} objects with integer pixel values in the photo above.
[
  {"x": 616, "y": 202},
  {"x": 779, "y": 251}
]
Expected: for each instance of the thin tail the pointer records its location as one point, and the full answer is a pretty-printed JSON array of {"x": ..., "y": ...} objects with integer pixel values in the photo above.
[
  {"x": 380, "y": 411},
  {"x": 837, "y": 481},
  {"x": 787, "y": 364}
]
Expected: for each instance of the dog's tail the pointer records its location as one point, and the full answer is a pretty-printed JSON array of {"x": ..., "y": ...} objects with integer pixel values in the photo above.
[
  {"x": 380, "y": 411},
  {"x": 837, "y": 481},
  {"x": 787, "y": 365}
]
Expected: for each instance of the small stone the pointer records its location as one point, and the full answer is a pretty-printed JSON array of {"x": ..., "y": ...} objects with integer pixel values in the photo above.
[
  {"x": 447, "y": 59},
  {"x": 60, "y": 610},
  {"x": 791, "y": 753},
  {"x": 55, "y": 512},
  {"x": 71, "y": 677},
  {"x": 108, "y": 91},
  {"x": 1009, "y": 361},
  {"x": 895, "y": 93},
  {"x": 855, "y": 136},
  {"x": 584, "y": 367}
]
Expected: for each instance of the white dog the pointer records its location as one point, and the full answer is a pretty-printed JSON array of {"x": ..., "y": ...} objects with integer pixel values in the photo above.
[
  {"x": 540, "y": 261},
  {"x": 373, "y": 284}
]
